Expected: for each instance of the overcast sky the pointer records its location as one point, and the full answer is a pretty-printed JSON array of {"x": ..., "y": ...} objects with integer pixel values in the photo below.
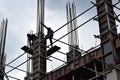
[{"x": 21, "y": 16}]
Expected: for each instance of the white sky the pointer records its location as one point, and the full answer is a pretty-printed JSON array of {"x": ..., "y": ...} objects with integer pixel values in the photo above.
[{"x": 21, "y": 16}]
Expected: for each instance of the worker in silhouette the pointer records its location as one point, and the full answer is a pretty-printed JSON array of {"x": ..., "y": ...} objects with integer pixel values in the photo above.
[
  {"x": 49, "y": 34},
  {"x": 31, "y": 38}
]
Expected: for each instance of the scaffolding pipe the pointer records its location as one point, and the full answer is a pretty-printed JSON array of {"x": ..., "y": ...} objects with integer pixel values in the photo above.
[
  {"x": 13, "y": 77},
  {"x": 75, "y": 18},
  {"x": 116, "y": 3},
  {"x": 99, "y": 73},
  {"x": 15, "y": 59},
  {"x": 4, "y": 74},
  {"x": 71, "y": 21},
  {"x": 108, "y": 64},
  {"x": 58, "y": 59},
  {"x": 74, "y": 29},
  {"x": 117, "y": 7},
  {"x": 96, "y": 74},
  {"x": 17, "y": 66},
  {"x": 68, "y": 44}
]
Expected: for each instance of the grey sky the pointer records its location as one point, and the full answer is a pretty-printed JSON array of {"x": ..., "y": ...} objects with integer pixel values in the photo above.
[{"x": 21, "y": 16}]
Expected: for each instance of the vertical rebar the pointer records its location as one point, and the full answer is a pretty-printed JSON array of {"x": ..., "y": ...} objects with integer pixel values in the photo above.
[
  {"x": 71, "y": 14},
  {"x": 40, "y": 18}
]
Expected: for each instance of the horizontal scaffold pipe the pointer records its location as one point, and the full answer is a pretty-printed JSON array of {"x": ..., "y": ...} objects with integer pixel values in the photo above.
[
  {"x": 75, "y": 18},
  {"x": 13, "y": 77},
  {"x": 68, "y": 44},
  {"x": 15, "y": 59},
  {"x": 18, "y": 66},
  {"x": 74, "y": 29},
  {"x": 58, "y": 59}
]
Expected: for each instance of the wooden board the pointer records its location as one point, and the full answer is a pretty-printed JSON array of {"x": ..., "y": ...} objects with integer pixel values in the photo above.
[
  {"x": 52, "y": 50},
  {"x": 27, "y": 49}
]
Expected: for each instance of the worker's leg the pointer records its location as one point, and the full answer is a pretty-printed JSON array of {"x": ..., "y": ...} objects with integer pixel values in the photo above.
[
  {"x": 47, "y": 36},
  {"x": 51, "y": 42},
  {"x": 30, "y": 43}
]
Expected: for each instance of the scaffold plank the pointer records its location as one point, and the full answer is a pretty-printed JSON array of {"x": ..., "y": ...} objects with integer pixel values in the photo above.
[
  {"x": 27, "y": 49},
  {"x": 52, "y": 50}
]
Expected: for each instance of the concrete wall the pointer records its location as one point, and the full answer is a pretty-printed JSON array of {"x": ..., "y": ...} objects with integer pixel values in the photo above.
[{"x": 114, "y": 75}]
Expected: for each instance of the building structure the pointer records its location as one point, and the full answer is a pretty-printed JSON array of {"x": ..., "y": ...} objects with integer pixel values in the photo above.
[
  {"x": 38, "y": 48},
  {"x": 100, "y": 63}
]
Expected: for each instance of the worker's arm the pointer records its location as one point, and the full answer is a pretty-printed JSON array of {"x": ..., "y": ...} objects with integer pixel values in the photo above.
[{"x": 44, "y": 26}]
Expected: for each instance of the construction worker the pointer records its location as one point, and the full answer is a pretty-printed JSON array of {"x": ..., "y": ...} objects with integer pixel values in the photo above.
[
  {"x": 49, "y": 34},
  {"x": 31, "y": 38}
]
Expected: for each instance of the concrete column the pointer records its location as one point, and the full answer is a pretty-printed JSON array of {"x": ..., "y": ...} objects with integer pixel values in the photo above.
[{"x": 113, "y": 75}]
